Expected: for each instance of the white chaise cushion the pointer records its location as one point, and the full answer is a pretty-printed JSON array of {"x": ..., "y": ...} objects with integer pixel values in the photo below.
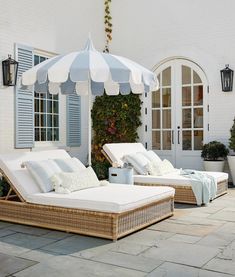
[
  {"x": 42, "y": 171},
  {"x": 114, "y": 198},
  {"x": 67, "y": 182},
  {"x": 69, "y": 164},
  {"x": 139, "y": 163}
]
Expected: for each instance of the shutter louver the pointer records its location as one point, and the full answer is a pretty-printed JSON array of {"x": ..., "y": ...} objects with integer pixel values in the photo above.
[
  {"x": 73, "y": 120},
  {"x": 24, "y": 102}
]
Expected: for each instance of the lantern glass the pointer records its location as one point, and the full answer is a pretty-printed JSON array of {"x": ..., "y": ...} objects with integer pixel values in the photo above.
[
  {"x": 9, "y": 70},
  {"x": 226, "y": 79}
]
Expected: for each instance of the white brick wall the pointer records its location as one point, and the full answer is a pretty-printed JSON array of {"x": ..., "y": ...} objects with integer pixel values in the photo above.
[{"x": 146, "y": 31}]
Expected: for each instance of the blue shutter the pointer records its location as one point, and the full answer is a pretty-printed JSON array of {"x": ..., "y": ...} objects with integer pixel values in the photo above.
[
  {"x": 24, "y": 102},
  {"x": 73, "y": 120}
]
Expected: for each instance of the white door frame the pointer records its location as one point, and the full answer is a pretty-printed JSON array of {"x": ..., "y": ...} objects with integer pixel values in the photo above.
[{"x": 175, "y": 64}]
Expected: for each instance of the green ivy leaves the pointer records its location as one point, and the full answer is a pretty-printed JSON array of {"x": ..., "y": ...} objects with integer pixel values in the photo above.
[{"x": 114, "y": 119}]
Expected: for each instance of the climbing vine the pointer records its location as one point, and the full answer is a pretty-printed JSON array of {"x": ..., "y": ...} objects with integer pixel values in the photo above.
[
  {"x": 107, "y": 24},
  {"x": 114, "y": 119}
]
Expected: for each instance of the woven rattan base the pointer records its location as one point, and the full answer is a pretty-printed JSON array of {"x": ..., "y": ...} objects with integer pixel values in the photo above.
[
  {"x": 92, "y": 223},
  {"x": 184, "y": 194}
]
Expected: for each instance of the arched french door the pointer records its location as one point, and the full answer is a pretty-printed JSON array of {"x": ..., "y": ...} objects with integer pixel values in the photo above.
[{"x": 179, "y": 113}]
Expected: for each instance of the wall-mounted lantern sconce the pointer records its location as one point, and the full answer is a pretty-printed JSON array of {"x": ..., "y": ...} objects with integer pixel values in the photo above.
[
  {"x": 226, "y": 78},
  {"x": 9, "y": 71}
]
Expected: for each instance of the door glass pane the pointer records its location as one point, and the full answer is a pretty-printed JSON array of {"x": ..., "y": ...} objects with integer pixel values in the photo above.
[
  {"x": 156, "y": 119},
  {"x": 37, "y": 134},
  {"x": 198, "y": 118},
  {"x": 196, "y": 78},
  {"x": 187, "y": 140},
  {"x": 156, "y": 99},
  {"x": 166, "y": 97},
  {"x": 166, "y": 119},
  {"x": 166, "y": 77},
  {"x": 186, "y": 75},
  {"x": 186, "y": 118},
  {"x": 166, "y": 140},
  {"x": 49, "y": 134},
  {"x": 198, "y": 95},
  {"x": 156, "y": 141},
  {"x": 198, "y": 140},
  {"x": 43, "y": 134},
  {"x": 186, "y": 96}
]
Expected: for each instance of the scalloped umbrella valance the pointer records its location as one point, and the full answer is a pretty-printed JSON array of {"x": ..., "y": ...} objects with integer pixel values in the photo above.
[{"x": 89, "y": 72}]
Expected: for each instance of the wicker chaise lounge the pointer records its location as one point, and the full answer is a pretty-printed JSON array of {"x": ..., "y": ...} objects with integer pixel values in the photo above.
[
  {"x": 110, "y": 212},
  {"x": 115, "y": 152}
]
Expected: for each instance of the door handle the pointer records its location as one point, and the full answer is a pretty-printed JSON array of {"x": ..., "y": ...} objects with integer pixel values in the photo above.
[
  {"x": 172, "y": 137},
  {"x": 178, "y": 134}
]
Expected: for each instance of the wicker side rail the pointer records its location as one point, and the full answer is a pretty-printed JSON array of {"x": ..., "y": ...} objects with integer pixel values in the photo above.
[
  {"x": 14, "y": 208},
  {"x": 184, "y": 194},
  {"x": 92, "y": 223}
]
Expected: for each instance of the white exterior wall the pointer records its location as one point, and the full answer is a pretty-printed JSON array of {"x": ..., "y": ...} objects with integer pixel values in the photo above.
[
  {"x": 50, "y": 25},
  {"x": 202, "y": 31},
  {"x": 146, "y": 31}
]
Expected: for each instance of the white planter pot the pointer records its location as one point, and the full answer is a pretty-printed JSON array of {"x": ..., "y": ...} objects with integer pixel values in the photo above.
[
  {"x": 216, "y": 166},
  {"x": 231, "y": 162}
]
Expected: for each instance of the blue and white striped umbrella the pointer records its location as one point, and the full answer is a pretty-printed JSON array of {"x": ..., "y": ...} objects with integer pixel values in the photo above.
[{"x": 89, "y": 70}]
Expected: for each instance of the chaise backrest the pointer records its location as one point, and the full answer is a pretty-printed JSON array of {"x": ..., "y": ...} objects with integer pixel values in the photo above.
[
  {"x": 116, "y": 151},
  {"x": 20, "y": 177}
]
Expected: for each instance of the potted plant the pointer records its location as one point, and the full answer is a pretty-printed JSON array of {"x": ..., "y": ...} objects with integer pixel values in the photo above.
[
  {"x": 214, "y": 154},
  {"x": 231, "y": 158}
]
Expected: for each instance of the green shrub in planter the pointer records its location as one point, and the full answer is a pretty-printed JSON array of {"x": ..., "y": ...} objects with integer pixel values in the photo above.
[
  {"x": 232, "y": 137},
  {"x": 214, "y": 151}
]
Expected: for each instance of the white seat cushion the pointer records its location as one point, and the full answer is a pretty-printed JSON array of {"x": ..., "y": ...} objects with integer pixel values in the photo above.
[
  {"x": 112, "y": 198},
  {"x": 175, "y": 178}
]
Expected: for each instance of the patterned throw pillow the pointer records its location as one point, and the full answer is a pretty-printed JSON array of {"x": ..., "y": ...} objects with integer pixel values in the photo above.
[
  {"x": 42, "y": 171},
  {"x": 67, "y": 182}
]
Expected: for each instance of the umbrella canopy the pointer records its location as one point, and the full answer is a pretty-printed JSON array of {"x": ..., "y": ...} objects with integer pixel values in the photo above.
[{"x": 89, "y": 72}]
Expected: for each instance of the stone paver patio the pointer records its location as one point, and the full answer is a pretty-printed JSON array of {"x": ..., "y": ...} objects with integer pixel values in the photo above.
[{"x": 196, "y": 241}]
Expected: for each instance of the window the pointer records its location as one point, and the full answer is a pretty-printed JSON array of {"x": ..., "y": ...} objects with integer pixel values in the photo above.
[{"x": 46, "y": 113}]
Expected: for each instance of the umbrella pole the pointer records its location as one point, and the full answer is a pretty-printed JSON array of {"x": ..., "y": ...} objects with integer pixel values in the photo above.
[{"x": 89, "y": 121}]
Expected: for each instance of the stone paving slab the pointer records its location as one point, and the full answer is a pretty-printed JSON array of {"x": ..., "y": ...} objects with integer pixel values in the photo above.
[
  {"x": 128, "y": 261},
  {"x": 148, "y": 237},
  {"x": 185, "y": 229},
  {"x": 184, "y": 238},
  {"x": 183, "y": 253},
  {"x": 176, "y": 270},
  {"x": 129, "y": 248},
  {"x": 10, "y": 264},
  {"x": 227, "y": 214},
  {"x": 221, "y": 265},
  {"x": 6, "y": 232},
  {"x": 77, "y": 245},
  {"x": 18, "y": 243},
  {"x": 218, "y": 239},
  {"x": 28, "y": 230},
  {"x": 62, "y": 266}
]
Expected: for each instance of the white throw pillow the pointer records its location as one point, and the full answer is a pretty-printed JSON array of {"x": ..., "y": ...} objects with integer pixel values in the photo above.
[
  {"x": 42, "y": 171},
  {"x": 139, "y": 162},
  {"x": 162, "y": 168},
  {"x": 67, "y": 182},
  {"x": 151, "y": 156},
  {"x": 69, "y": 164}
]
